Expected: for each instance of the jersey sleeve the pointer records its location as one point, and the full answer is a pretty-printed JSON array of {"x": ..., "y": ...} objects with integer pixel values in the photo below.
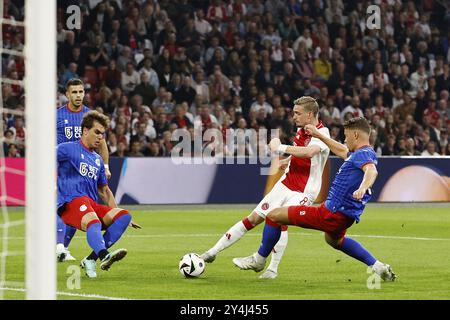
[
  {"x": 318, "y": 142},
  {"x": 102, "y": 180},
  {"x": 363, "y": 157}
]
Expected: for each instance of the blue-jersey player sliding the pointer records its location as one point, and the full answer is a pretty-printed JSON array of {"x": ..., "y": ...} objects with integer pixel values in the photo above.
[
  {"x": 81, "y": 178},
  {"x": 68, "y": 128},
  {"x": 349, "y": 193}
]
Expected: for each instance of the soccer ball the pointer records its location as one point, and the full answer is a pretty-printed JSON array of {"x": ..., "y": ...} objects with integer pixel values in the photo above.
[{"x": 191, "y": 265}]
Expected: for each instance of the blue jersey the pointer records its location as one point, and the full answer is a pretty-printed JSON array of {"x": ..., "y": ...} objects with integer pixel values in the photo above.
[
  {"x": 347, "y": 180},
  {"x": 80, "y": 172},
  {"x": 68, "y": 124}
]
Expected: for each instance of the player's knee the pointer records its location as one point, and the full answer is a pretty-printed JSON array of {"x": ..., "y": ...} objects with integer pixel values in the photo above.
[
  {"x": 89, "y": 219},
  {"x": 254, "y": 219},
  {"x": 126, "y": 216},
  {"x": 115, "y": 214},
  {"x": 333, "y": 242},
  {"x": 275, "y": 215}
]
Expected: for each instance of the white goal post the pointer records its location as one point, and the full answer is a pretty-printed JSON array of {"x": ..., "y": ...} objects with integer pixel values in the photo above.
[{"x": 40, "y": 211}]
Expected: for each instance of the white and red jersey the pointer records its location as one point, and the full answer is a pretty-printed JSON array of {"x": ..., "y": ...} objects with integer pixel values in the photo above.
[{"x": 305, "y": 174}]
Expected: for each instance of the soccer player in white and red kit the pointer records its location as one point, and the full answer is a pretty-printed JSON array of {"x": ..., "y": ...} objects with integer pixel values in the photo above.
[{"x": 300, "y": 185}]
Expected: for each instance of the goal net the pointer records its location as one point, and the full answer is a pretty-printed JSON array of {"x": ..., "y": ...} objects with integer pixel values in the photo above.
[{"x": 27, "y": 154}]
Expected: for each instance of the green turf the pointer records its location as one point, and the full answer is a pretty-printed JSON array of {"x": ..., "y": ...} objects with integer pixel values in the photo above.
[{"x": 415, "y": 241}]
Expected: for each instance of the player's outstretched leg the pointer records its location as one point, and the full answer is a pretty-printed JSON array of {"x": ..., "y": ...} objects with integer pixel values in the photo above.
[
  {"x": 60, "y": 234},
  {"x": 277, "y": 253},
  {"x": 95, "y": 240},
  {"x": 233, "y": 234},
  {"x": 257, "y": 261},
  {"x": 70, "y": 232},
  {"x": 355, "y": 250},
  {"x": 113, "y": 233}
]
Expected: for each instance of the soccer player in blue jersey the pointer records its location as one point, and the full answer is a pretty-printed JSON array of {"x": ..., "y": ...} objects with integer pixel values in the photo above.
[
  {"x": 68, "y": 128},
  {"x": 348, "y": 195},
  {"x": 81, "y": 178}
]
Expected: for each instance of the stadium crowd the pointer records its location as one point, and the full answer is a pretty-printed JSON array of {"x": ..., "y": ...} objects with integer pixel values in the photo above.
[{"x": 155, "y": 66}]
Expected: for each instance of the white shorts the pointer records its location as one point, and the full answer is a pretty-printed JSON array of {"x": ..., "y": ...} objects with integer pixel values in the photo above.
[{"x": 281, "y": 196}]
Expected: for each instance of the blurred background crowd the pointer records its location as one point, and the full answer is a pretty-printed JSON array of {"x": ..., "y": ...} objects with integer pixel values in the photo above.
[{"x": 157, "y": 66}]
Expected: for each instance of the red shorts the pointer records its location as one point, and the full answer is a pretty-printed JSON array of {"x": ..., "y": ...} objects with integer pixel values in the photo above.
[
  {"x": 320, "y": 218},
  {"x": 75, "y": 210}
]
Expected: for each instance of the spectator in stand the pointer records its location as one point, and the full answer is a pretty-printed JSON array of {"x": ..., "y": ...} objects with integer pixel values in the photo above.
[
  {"x": 430, "y": 150},
  {"x": 243, "y": 48}
]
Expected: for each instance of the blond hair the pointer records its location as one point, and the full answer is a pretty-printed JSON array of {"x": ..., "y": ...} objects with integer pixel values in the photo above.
[{"x": 309, "y": 103}]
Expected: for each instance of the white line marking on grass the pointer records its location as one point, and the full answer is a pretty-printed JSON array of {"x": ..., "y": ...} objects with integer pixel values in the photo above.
[
  {"x": 82, "y": 295},
  {"x": 291, "y": 233},
  {"x": 199, "y": 235}
]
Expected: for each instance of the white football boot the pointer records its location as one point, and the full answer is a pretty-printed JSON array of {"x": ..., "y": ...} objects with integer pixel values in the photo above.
[
  {"x": 254, "y": 262},
  {"x": 384, "y": 271}
]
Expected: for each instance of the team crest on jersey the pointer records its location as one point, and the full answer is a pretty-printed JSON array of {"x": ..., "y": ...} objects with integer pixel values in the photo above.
[
  {"x": 265, "y": 206},
  {"x": 97, "y": 162},
  {"x": 68, "y": 131},
  {"x": 83, "y": 208},
  {"x": 82, "y": 156}
]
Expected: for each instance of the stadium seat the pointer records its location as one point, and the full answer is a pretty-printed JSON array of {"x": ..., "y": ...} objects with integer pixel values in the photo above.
[
  {"x": 102, "y": 72},
  {"x": 90, "y": 76}
]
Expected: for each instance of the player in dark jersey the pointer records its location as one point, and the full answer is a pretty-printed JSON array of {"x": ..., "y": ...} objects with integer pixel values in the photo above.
[
  {"x": 348, "y": 195},
  {"x": 68, "y": 128},
  {"x": 81, "y": 178}
]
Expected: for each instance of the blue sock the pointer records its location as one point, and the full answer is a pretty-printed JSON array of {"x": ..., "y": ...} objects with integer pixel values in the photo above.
[
  {"x": 271, "y": 235},
  {"x": 70, "y": 232},
  {"x": 116, "y": 229},
  {"x": 60, "y": 229},
  {"x": 95, "y": 238},
  {"x": 355, "y": 250}
]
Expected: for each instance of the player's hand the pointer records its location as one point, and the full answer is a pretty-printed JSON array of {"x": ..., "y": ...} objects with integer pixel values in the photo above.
[
  {"x": 135, "y": 225},
  {"x": 108, "y": 173},
  {"x": 359, "y": 194},
  {"x": 283, "y": 164},
  {"x": 274, "y": 144},
  {"x": 312, "y": 130}
]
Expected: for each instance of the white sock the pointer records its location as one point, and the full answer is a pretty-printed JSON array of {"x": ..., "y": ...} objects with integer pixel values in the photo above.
[
  {"x": 278, "y": 252},
  {"x": 377, "y": 265},
  {"x": 229, "y": 238}
]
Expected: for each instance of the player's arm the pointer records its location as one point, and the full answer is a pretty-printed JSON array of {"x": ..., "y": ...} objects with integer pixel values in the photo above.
[
  {"x": 299, "y": 152},
  {"x": 104, "y": 153},
  {"x": 284, "y": 163},
  {"x": 107, "y": 196},
  {"x": 337, "y": 148},
  {"x": 370, "y": 175}
]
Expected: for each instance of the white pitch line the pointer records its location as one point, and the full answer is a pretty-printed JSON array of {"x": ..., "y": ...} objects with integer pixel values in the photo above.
[
  {"x": 199, "y": 235},
  {"x": 82, "y": 295}
]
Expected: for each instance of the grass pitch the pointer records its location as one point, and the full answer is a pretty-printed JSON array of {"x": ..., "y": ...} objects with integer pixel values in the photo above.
[{"x": 415, "y": 240}]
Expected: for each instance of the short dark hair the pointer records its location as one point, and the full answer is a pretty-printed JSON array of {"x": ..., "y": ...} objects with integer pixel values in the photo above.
[
  {"x": 73, "y": 82},
  {"x": 359, "y": 123},
  {"x": 91, "y": 116}
]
